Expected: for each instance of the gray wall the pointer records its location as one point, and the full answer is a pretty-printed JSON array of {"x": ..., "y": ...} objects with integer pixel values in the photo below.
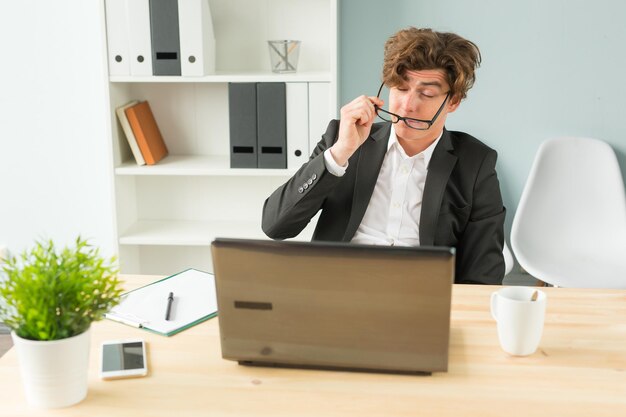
[{"x": 550, "y": 68}]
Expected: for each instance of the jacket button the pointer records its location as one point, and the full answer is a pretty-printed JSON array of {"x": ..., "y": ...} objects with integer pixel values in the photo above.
[
  {"x": 305, "y": 185},
  {"x": 314, "y": 177},
  {"x": 310, "y": 181},
  {"x": 300, "y": 190}
]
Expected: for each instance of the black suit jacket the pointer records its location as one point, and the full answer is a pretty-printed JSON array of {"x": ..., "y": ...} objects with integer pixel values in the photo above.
[{"x": 461, "y": 206}]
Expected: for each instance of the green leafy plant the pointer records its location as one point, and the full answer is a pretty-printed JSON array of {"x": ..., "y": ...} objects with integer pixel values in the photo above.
[{"x": 47, "y": 294}]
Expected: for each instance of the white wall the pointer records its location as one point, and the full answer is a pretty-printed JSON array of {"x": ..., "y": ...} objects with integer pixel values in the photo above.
[{"x": 54, "y": 158}]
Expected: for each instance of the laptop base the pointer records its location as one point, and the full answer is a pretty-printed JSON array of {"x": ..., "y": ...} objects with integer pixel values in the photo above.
[{"x": 333, "y": 368}]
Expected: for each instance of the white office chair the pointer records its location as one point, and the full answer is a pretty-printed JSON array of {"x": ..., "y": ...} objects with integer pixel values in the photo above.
[
  {"x": 508, "y": 259},
  {"x": 570, "y": 227}
]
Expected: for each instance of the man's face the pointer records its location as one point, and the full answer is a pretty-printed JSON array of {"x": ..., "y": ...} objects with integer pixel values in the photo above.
[{"x": 420, "y": 97}]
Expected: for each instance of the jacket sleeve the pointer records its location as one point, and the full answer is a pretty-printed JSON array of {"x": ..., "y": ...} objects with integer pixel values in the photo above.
[
  {"x": 289, "y": 209},
  {"x": 479, "y": 258}
]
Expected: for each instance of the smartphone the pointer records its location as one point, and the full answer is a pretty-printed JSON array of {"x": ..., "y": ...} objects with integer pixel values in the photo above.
[{"x": 123, "y": 359}]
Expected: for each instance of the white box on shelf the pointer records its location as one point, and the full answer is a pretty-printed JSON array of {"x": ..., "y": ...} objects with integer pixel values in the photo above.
[
  {"x": 297, "y": 125},
  {"x": 140, "y": 45},
  {"x": 117, "y": 37},
  {"x": 197, "y": 41}
]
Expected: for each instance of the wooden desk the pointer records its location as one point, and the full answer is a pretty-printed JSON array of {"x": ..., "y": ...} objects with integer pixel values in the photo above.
[{"x": 579, "y": 370}]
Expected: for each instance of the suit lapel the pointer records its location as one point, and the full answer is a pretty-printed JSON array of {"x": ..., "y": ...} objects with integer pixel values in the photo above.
[
  {"x": 441, "y": 164},
  {"x": 370, "y": 159}
]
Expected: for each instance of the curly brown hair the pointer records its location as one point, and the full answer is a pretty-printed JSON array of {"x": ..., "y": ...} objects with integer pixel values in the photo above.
[{"x": 425, "y": 49}]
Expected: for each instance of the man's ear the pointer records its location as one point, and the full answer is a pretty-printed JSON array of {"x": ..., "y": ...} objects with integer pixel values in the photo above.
[{"x": 453, "y": 104}]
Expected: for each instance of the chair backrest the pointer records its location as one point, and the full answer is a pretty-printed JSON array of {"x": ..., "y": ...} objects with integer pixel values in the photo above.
[
  {"x": 508, "y": 259},
  {"x": 573, "y": 203}
]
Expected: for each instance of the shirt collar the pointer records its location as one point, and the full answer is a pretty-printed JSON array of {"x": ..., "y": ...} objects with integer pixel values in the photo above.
[{"x": 428, "y": 152}]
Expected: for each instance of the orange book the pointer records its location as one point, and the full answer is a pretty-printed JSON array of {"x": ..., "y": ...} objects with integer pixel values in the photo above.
[{"x": 146, "y": 132}]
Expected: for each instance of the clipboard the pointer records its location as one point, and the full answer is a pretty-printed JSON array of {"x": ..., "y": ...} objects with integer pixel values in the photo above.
[{"x": 145, "y": 307}]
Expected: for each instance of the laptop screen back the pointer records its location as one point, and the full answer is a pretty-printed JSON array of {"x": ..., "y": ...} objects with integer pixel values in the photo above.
[{"x": 334, "y": 305}]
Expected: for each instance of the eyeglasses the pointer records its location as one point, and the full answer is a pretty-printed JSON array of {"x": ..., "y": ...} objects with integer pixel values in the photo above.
[{"x": 416, "y": 124}]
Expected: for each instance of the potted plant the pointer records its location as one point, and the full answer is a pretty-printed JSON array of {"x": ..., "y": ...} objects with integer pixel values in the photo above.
[{"x": 49, "y": 298}]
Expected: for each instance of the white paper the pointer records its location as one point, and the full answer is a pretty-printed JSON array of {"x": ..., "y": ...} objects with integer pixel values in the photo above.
[{"x": 194, "y": 299}]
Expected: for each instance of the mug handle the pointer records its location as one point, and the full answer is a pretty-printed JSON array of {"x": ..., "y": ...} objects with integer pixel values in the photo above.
[{"x": 494, "y": 304}]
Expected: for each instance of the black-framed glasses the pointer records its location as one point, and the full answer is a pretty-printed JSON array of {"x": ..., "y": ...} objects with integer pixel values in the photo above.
[{"x": 417, "y": 124}]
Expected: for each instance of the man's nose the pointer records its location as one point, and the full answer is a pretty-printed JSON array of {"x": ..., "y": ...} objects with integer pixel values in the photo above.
[{"x": 410, "y": 102}]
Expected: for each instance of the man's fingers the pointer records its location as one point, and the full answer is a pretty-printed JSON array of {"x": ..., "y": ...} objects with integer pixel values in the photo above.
[
  {"x": 361, "y": 110},
  {"x": 377, "y": 101}
]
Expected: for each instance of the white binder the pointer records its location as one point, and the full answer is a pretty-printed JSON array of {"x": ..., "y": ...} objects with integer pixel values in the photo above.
[
  {"x": 319, "y": 112},
  {"x": 197, "y": 42},
  {"x": 297, "y": 125},
  {"x": 139, "y": 37},
  {"x": 117, "y": 37}
]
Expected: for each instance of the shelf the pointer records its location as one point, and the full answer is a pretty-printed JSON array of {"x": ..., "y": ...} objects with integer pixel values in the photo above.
[
  {"x": 190, "y": 165},
  {"x": 195, "y": 233},
  {"x": 188, "y": 233},
  {"x": 225, "y": 77}
]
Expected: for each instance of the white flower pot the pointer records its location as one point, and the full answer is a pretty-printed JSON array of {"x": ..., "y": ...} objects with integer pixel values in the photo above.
[{"x": 54, "y": 373}]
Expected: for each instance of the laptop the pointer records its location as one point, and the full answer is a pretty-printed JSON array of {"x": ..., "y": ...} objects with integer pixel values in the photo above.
[{"x": 334, "y": 306}]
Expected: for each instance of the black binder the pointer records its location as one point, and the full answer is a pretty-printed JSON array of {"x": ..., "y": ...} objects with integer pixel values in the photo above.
[
  {"x": 242, "y": 109},
  {"x": 165, "y": 37},
  {"x": 272, "y": 125}
]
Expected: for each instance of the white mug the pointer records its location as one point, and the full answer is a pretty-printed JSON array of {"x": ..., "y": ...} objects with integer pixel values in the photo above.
[{"x": 519, "y": 319}]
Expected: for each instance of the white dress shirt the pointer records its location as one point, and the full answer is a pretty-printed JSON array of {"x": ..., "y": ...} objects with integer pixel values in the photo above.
[{"x": 393, "y": 213}]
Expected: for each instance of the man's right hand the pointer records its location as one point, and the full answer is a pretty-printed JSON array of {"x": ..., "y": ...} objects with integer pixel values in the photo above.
[{"x": 356, "y": 122}]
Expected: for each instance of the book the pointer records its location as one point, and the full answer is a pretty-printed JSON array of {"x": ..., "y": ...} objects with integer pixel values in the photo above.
[
  {"x": 128, "y": 131},
  {"x": 194, "y": 301},
  {"x": 146, "y": 132}
]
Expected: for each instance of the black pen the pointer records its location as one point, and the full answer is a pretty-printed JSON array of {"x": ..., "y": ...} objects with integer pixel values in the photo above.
[{"x": 170, "y": 298}]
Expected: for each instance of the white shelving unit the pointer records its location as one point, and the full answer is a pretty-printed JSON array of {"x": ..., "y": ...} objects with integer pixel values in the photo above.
[{"x": 168, "y": 214}]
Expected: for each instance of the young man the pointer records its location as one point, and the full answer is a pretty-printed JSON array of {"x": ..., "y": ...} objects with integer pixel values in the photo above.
[{"x": 407, "y": 181}]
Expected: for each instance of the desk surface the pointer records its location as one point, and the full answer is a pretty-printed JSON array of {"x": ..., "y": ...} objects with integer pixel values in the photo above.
[{"x": 578, "y": 370}]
